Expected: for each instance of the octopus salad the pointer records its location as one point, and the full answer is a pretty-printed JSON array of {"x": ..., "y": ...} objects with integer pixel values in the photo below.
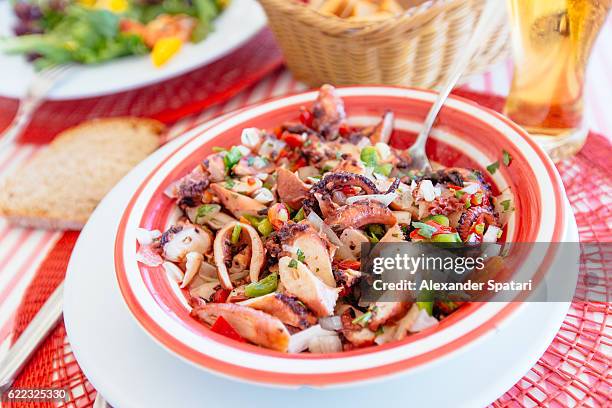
[{"x": 267, "y": 244}]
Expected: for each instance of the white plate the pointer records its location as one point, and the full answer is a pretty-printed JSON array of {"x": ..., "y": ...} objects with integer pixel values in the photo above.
[
  {"x": 131, "y": 370},
  {"x": 237, "y": 24}
]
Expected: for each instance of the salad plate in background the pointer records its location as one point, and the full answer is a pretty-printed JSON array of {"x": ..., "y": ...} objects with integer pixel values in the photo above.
[{"x": 232, "y": 27}]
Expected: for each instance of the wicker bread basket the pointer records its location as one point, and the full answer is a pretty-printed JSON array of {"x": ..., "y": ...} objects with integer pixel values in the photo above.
[{"x": 416, "y": 48}]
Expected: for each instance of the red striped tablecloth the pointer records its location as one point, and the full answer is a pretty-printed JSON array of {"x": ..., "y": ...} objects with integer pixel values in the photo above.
[{"x": 569, "y": 365}]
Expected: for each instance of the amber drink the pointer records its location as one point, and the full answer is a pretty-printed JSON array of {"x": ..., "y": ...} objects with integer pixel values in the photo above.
[{"x": 552, "y": 41}]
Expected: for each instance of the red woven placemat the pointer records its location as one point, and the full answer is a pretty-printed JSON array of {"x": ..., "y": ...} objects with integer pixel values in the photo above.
[
  {"x": 573, "y": 371},
  {"x": 166, "y": 101}
]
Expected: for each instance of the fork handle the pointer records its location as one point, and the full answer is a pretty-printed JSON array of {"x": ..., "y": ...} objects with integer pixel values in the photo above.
[
  {"x": 26, "y": 109},
  {"x": 38, "y": 329},
  {"x": 475, "y": 43}
]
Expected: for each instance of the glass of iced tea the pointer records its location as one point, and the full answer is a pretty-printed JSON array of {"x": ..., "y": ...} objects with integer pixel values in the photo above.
[{"x": 552, "y": 41}]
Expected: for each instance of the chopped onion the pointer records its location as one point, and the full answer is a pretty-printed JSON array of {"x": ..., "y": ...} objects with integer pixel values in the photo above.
[
  {"x": 331, "y": 323},
  {"x": 271, "y": 146},
  {"x": 426, "y": 189},
  {"x": 171, "y": 190},
  {"x": 325, "y": 344},
  {"x": 146, "y": 237},
  {"x": 250, "y": 137},
  {"x": 385, "y": 199},
  {"x": 363, "y": 142},
  {"x": 438, "y": 190},
  {"x": 244, "y": 151},
  {"x": 174, "y": 272},
  {"x": 491, "y": 234},
  {"x": 423, "y": 321},
  {"x": 383, "y": 150},
  {"x": 308, "y": 171},
  {"x": 264, "y": 196},
  {"x": 413, "y": 186},
  {"x": 300, "y": 340},
  {"x": 315, "y": 220},
  {"x": 471, "y": 188}
]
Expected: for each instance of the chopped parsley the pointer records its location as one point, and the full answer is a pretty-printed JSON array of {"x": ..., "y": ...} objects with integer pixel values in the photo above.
[
  {"x": 205, "y": 210},
  {"x": 232, "y": 158},
  {"x": 506, "y": 158},
  {"x": 506, "y": 204},
  {"x": 293, "y": 263},
  {"x": 459, "y": 194},
  {"x": 300, "y": 255},
  {"x": 492, "y": 168},
  {"x": 229, "y": 183}
]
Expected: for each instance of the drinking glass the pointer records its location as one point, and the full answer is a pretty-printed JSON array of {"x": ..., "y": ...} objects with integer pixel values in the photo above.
[{"x": 552, "y": 41}]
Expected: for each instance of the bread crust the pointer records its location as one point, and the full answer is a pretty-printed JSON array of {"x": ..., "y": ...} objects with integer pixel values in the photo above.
[{"x": 61, "y": 185}]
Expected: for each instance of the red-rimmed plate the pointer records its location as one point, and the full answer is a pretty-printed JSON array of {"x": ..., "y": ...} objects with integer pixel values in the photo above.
[{"x": 466, "y": 135}]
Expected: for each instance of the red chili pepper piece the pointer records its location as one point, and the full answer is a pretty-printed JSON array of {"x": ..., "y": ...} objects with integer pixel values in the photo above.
[
  {"x": 301, "y": 162},
  {"x": 223, "y": 328},
  {"x": 306, "y": 117},
  {"x": 344, "y": 130},
  {"x": 415, "y": 236},
  {"x": 292, "y": 139}
]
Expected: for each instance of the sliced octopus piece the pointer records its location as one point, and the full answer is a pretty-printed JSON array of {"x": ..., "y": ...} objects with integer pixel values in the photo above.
[
  {"x": 361, "y": 213},
  {"x": 286, "y": 308},
  {"x": 387, "y": 312},
  {"x": 239, "y": 205},
  {"x": 222, "y": 252},
  {"x": 298, "y": 280},
  {"x": 290, "y": 188},
  {"x": 328, "y": 112},
  {"x": 254, "y": 325}
]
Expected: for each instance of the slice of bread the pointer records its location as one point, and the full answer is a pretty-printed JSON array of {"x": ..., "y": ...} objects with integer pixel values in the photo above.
[{"x": 62, "y": 184}]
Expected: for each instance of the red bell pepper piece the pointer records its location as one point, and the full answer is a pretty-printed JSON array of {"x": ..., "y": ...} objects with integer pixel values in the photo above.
[
  {"x": 440, "y": 229},
  {"x": 221, "y": 295},
  {"x": 306, "y": 117},
  {"x": 292, "y": 139},
  {"x": 349, "y": 264},
  {"x": 223, "y": 328},
  {"x": 344, "y": 130}
]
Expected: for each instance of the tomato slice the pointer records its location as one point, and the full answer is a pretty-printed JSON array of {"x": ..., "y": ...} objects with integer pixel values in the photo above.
[{"x": 223, "y": 328}]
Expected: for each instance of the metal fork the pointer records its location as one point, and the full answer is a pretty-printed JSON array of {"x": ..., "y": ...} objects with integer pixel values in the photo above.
[
  {"x": 475, "y": 43},
  {"x": 42, "y": 83}
]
